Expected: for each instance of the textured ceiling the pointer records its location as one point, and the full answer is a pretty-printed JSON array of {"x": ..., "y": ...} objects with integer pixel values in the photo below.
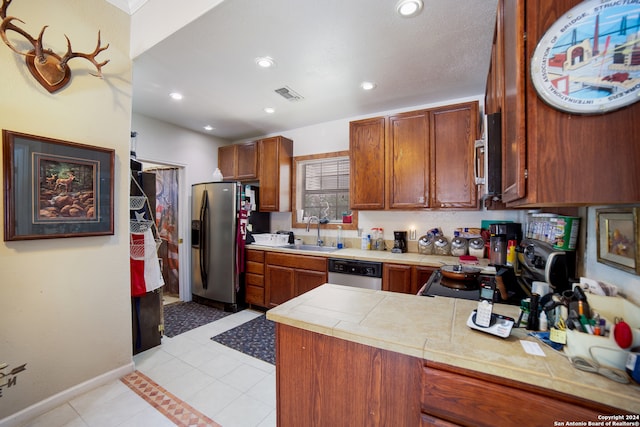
[{"x": 323, "y": 51}]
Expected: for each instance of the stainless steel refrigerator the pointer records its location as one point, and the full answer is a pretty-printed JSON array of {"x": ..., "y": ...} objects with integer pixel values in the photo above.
[{"x": 219, "y": 215}]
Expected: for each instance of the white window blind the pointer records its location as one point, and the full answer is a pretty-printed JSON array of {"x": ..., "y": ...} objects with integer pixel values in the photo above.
[{"x": 325, "y": 188}]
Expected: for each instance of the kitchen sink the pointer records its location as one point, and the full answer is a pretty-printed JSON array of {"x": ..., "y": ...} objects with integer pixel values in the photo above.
[{"x": 315, "y": 248}]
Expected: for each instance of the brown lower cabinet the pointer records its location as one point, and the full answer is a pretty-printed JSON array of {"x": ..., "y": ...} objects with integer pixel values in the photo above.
[
  {"x": 254, "y": 277},
  {"x": 405, "y": 278},
  {"x": 327, "y": 381},
  {"x": 288, "y": 275}
]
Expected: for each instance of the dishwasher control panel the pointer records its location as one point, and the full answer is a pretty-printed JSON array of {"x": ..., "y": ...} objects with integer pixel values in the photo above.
[{"x": 354, "y": 267}]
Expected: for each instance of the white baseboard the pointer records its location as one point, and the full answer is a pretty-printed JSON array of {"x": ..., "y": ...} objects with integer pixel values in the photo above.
[{"x": 63, "y": 397}]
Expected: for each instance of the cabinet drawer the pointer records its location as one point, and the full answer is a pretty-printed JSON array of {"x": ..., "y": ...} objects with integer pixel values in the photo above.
[
  {"x": 449, "y": 396},
  {"x": 254, "y": 279},
  {"x": 254, "y": 255},
  {"x": 254, "y": 267},
  {"x": 254, "y": 295},
  {"x": 297, "y": 261}
]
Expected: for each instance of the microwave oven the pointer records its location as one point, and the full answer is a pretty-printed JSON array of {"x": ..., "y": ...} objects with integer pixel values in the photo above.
[{"x": 489, "y": 157}]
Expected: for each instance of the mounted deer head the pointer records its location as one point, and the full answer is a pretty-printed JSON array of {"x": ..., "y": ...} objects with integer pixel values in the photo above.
[{"x": 48, "y": 68}]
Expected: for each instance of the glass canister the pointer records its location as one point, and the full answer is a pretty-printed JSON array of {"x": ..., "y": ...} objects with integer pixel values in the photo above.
[
  {"x": 425, "y": 244},
  {"x": 377, "y": 239},
  {"x": 441, "y": 246},
  {"x": 476, "y": 247},
  {"x": 459, "y": 246}
]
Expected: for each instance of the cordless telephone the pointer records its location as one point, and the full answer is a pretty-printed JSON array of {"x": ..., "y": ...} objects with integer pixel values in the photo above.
[
  {"x": 484, "y": 319},
  {"x": 485, "y": 306}
]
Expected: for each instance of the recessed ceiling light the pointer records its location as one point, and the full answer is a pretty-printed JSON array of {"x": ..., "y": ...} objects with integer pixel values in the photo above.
[
  {"x": 265, "y": 62},
  {"x": 269, "y": 110},
  {"x": 367, "y": 85},
  {"x": 175, "y": 95},
  {"x": 208, "y": 127},
  {"x": 409, "y": 8}
]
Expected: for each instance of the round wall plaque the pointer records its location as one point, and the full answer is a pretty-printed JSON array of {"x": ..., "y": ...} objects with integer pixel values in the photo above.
[{"x": 588, "y": 62}]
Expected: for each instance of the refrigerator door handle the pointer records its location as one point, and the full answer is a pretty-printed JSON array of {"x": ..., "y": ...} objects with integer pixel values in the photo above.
[{"x": 204, "y": 221}]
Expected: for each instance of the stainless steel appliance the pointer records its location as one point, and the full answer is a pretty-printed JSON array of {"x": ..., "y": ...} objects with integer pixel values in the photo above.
[
  {"x": 540, "y": 262},
  {"x": 359, "y": 274},
  {"x": 219, "y": 217}
]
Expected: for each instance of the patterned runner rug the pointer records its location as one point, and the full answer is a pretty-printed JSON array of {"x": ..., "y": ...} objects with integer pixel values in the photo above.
[
  {"x": 184, "y": 316},
  {"x": 178, "y": 411},
  {"x": 256, "y": 338}
]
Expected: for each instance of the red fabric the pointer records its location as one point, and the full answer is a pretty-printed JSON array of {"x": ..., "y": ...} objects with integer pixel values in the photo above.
[
  {"x": 240, "y": 240},
  {"x": 138, "y": 285}
]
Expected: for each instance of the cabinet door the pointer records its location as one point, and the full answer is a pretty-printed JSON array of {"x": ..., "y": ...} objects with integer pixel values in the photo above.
[
  {"x": 366, "y": 153},
  {"x": 420, "y": 277},
  {"x": 279, "y": 285},
  {"x": 275, "y": 174},
  {"x": 305, "y": 280},
  {"x": 453, "y": 132},
  {"x": 511, "y": 32},
  {"x": 396, "y": 278},
  {"x": 575, "y": 159},
  {"x": 227, "y": 161},
  {"x": 408, "y": 160},
  {"x": 247, "y": 166}
]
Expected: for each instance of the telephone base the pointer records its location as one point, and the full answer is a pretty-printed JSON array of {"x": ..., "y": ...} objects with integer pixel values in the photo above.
[{"x": 500, "y": 325}]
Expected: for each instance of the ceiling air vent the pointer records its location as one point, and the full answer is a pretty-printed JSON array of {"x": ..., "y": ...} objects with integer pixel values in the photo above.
[{"x": 289, "y": 94}]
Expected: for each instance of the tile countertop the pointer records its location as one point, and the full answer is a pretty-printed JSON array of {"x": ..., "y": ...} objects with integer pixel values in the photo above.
[
  {"x": 411, "y": 258},
  {"x": 435, "y": 329}
]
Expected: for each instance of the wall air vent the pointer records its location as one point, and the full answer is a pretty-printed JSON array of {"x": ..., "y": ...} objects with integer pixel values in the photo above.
[{"x": 289, "y": 94}]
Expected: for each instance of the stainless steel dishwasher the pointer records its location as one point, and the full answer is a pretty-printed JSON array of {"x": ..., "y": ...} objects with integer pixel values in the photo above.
[{"x": 359, "y": 274}]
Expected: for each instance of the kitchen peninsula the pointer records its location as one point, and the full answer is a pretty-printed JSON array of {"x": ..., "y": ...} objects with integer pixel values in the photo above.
[{"x": 349, "y": 356}]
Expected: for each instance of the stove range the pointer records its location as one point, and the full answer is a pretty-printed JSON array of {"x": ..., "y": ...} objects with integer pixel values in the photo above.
[{"x": 437, "y": 285}]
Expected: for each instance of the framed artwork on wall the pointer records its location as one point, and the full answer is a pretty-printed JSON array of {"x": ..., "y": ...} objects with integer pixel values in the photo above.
[
  {"x": 55, "y": 189},
  {"x": 618, "y": 235}
]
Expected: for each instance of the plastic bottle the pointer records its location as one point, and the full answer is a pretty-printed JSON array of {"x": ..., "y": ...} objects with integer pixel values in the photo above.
[
  {"x": 543, "y": 322},
  {"x": 366, "y": 242},
  {"x": 339, "y": 243}
]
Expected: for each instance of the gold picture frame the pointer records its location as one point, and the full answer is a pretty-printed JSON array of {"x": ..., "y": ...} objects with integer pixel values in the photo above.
[{"x": 618, "y": 234}]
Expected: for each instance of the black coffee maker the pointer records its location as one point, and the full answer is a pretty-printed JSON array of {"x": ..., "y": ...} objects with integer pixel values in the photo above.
[{"x": 399, "y": 242}]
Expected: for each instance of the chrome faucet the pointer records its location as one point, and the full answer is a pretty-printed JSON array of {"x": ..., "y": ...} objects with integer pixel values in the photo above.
[{"x": 311, "y": 218}]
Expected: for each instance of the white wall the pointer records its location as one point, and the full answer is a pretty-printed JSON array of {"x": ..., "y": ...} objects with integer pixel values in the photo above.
[
  {"x": 65, "y": 304},
  {"x": 628, "y": 283},
  {"x": 161, "y": 142}
]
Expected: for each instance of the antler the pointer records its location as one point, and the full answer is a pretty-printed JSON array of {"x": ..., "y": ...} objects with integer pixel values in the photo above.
[
  {"x": 49, "y": 69},
  {"x": 91, "y": 57},
  {"x": 8, "y": 26}
]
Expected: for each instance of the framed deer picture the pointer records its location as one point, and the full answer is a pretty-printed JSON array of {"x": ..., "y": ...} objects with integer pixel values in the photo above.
[{"x": 55, "y": 189}]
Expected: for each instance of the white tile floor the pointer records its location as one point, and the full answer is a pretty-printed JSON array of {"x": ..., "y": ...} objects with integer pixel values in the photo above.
[{"x": 231, "y": 388}]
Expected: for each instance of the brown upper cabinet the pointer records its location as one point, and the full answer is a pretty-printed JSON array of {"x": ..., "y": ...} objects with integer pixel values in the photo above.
[
  {"x": 267, "y": 161},
  {"x": 239, "y": 161},
  {"x": 408, "y": 162},
  {"x": 275, "y": 174},
  {"x": 453, "y": 132},
  {"x": 366, "y": 156},
  {"x": 414, "y": 160},
  {"x": 553, "y": 158}
]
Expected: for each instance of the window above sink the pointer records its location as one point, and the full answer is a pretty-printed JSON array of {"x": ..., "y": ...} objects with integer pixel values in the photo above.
[{"x": 321, "y": 189}]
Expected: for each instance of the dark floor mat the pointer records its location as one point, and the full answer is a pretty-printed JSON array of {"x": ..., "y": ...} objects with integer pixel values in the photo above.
[
  {"x": 184, "y": 316},
  {"x": 256, "y": 338}
]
